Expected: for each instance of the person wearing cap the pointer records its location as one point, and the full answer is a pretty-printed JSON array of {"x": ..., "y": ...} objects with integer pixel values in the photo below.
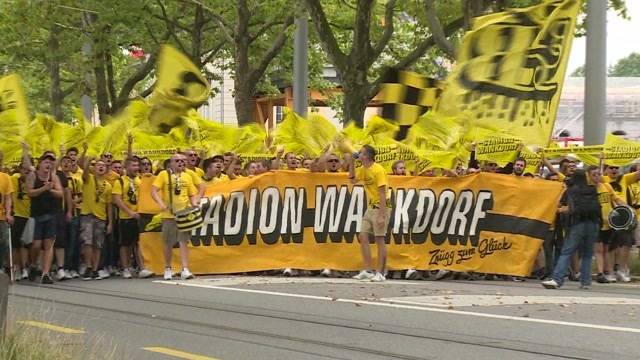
[{"x": 45, "y": 191}]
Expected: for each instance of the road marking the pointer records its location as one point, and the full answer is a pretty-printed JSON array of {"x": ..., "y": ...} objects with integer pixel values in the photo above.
[
  {"x": 47, "y": 326},
  {"x": 262, "y": 280},
  {"x": 497, "y": 300},
  {"x": 422, "y": 307},
  {"x": 177, "y": 353}
]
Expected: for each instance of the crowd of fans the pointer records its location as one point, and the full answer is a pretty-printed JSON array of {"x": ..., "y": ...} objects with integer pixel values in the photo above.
[{"x": 79, "y": 217}]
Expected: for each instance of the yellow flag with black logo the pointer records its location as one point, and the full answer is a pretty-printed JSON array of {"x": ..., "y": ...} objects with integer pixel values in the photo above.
[
  {"x": 14, "y": 117},
  {"x": 180, "y": 87},
  {"x": 511, "y": 68}
]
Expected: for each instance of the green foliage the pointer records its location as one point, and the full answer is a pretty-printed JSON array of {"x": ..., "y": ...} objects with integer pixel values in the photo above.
[
  {"x": 579, "y": 72},
  {"x": 626, "y": 67}
]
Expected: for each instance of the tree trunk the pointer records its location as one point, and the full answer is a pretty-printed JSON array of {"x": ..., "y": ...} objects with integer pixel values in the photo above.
[
  {"x": 244, "y": 104},
  {"x": 354, "y": 106},
  {"x": 102, "y": 96},
  {"x": 56, "y": 95},
  {"x": 111, "y": 83}
]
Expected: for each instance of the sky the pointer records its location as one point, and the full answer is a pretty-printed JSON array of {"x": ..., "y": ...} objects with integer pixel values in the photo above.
[{"x": 622, "y": 37}]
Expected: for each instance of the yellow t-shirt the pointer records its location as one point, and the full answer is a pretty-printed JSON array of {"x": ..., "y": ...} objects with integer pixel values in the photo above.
[
  {"x": 146, "y": 204},
  {"x": 6, "y": 188},
  {"x": 181, "y": 189},
  {"x": 373, "y": 178},
  {"x": 128, "y": 190},
  {"x": 96, "y": 196},
  {"x": 21, "y": 200},
  {"x": 76, "y": 185},
  {"x": 562, "y": 177},
  {"x": 634, "y": 196},
  {"x": 198, "y": 171},
  {"x": 112, "y": 176},
  {"x": 214, "y": 180},
  {"x": 627, "y": 179},
  {"x": 195, "y": 178},
  {"x": 605, "y": 198}
]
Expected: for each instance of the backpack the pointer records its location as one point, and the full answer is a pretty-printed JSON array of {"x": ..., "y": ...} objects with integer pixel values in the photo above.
[{"x": 583, "y": 204}]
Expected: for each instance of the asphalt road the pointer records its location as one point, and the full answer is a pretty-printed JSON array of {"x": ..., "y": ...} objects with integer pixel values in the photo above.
[{"x": 230, "y": 317}]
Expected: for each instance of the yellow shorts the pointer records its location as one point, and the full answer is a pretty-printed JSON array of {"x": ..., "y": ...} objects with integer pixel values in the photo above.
[{"x": 370, "y": 223}]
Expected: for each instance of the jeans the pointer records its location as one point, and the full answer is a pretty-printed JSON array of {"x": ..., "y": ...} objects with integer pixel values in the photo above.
[
  {"x": 5, "y": 238},
  {"x": 581, "y": 236},
  {"x": 552, "y": 248},
  {"x": 72, "y": 252}
]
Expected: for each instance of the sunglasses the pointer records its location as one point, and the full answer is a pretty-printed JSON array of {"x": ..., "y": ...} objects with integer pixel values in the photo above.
[
  {"x": 613, "y": 168},
  {"x": 145, "y": 163},
  {"x": 333, "y": 160},
  {"x": 108, "y": 156}
]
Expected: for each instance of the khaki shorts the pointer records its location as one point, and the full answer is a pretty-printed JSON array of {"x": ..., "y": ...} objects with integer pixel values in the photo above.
[
  {"x": 171, "y": 234},
  {"x": 370, "y": 222},
  {"x": 93, "y": 231}
]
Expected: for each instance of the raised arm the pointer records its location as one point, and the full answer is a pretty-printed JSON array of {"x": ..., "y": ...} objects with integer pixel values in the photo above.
[{"x": 352, "y": 170}]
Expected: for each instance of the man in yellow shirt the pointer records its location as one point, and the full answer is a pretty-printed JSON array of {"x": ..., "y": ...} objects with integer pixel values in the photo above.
[
  {"x": 376, "y": 218},
  {"x": 74, "y": 247},
  {"x": 21, "y": 215},
  {"x": 193, "y": 162},
  {"x": 213, "y": 172},
  {"x": 6, "y": 219},
  {"x": 173, "y": 190},
  {"x": 96, "y": 220},
  {"x": 125, "y": 193},
  {"x": 608, "y": 199}
]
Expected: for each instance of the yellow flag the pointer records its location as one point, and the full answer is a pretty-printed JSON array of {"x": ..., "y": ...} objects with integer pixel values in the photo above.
[
  {"x": 180, "y": 87},
  {"x": 619, "y": 151},
  {"x": 500, "y": 149},
  {"x": 511, "y": 69},
  {"x": 14, "y": 117}
]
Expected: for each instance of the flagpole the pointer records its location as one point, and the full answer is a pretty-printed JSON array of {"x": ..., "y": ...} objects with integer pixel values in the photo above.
[
  {"x": 595, "y": 89},
  {"x": 300, "y": 66}
]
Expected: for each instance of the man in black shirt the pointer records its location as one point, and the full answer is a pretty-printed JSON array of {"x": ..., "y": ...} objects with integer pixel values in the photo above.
[{"x": 46, "y": 195}]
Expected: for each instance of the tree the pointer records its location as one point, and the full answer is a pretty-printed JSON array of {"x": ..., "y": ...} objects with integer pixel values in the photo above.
[
  {"x": 256, "y": 32},
  {"x": 355, "y": 54},
  {"x": 578, "y": 72},
  {"x": 626, "y": 67}
]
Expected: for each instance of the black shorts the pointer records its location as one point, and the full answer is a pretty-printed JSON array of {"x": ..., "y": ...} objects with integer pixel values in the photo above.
[
  {"x": 62, "y": 232},
  {"x": 605, "y": 237},
  {"x": 622, "y": 238},
  {"x": 19, "y": 223},
  {"x": 129, "y": 231},
  {"x": 44, "y": 227}
]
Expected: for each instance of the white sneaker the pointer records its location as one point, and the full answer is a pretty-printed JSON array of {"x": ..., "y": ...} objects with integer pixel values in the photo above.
[
  {"x": 67, "y": 275},
  {"x": 25, "y": 273},
  {"x": 82, "y": 269},
  {"x": 411, "y": 274},
  {"x": 442, "y": 273},
  {"x": 186, "y": 274},
  {"x": 610, "y": 277},
  {"x": 74, "y": 274},
  {"x": 326, "y": 273},
  {"x": 550, "y": 284},
  {"x": 126, "y": 274},
  {"x": 144, "y": 273},
  {"x": 60, "y": 275},
  {"x": 167, "y": 274},
  {"x": 622, "y": 276},
  {"x": 364, "y": 275},
  {"x": 287, "y": 272},
  {"x": 378, "y": 277},
  {"x": 103, "y": 274}
]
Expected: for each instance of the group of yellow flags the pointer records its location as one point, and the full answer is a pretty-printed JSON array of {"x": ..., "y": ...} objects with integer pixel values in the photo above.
[{"x": 501, "y": 95}]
